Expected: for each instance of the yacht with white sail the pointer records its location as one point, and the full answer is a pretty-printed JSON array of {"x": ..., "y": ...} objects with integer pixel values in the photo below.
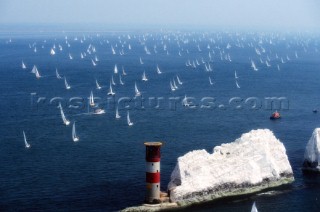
[
  {"x": 120, "y": 80},
  {"x": 210, "y": 81},
  {"x": 91, "y": 100},
  {"x": 52, "y": 52},
  {"x": 58, "y": 75},
  {"x": 117, "y": 114},
  {"x": 253, "y": 65},
  {"x": 128, "y": 119},
  {"x": 158, "y": 70},
  {"x": 137, "y": 92},
  {"x": 64, "y": 119},
  {"x": 179, "y": 81},
  {"x": 97, "y": 85},
  {"x": 111, "y": 93},
  {"x": 27, "y": 145},
  {"x": 115, "y": 70},
  {"x": 75, "y": 138},
  {"x": 23, "y": 65},
  {"x": 144, "y": 77},
  {"x": 66, "y": 83}
]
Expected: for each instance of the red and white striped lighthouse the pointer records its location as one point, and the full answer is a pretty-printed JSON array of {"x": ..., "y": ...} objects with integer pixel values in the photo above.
[{"x": 153, "y": 157}]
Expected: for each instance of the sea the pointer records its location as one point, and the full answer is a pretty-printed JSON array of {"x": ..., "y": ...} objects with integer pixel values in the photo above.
[{"x": 105, "y": 169}]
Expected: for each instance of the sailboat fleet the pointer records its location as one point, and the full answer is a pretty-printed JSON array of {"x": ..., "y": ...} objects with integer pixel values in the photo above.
[{"x": 204, "y": 61}]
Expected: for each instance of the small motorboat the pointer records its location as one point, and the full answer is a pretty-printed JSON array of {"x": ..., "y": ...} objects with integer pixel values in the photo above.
[{"x": 275, "y": 115}]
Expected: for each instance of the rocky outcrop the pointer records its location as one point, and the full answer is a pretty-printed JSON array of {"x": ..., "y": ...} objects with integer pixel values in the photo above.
[
  {"x": 255, "y": 161},
  {"x": 312, "y": 153}
]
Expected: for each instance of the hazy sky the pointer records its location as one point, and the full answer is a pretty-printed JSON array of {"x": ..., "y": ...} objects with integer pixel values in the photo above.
[{"x": 240, "y": 13}]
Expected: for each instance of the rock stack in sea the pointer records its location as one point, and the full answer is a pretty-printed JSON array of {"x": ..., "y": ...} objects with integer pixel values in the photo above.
[
  {"x": 255, "y": 161},
  {"x": 312, "y": 153}
]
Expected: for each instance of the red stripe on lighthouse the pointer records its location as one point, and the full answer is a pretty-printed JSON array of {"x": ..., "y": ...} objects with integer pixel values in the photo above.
[{"x": 153, "y": 177}]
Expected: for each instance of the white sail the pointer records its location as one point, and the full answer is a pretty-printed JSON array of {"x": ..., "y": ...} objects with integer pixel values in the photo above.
[
  {"x": 81, "y": 56},
  {"x": 66, "y": 83},
  {"x": 112, "y": 81},
  {"x": 91, "y": 99},
  {"x": 121, "y": 83},
  {"x": 254, "y": 207},
  {"x": 113, "y": 51},
  {"x": 115, "y": 69},
  {"x": 57, "y": 75},
  {"x": 52, "y": 52},
  {"x": 144, "y": 77},
  {"x": 111, "y": 91},
  {"x": 128, "y": 119},
  {"x": 97, "y": 85},
  {"x": 137, "y": 92},
  {"x": 210, "y": 81},
  {"x": 253, "y": 65},
  {"x": 185, "y": 101},
  {"x": 96, "y": 58},
  {"x": 27, "y": 145},
  {"x": 158, "y": 70},
  {"x": 123, "y": 72},
  {"x": 235, "y": 75},
  {"x": 117, "y": 114},
  {"x": 172, "y": 87},
  {"x": 34, "y": 69},
  {"x": 70, "y": 57},
  {"x": 75, "y": 138},
  {"x": 37, "y": 73},
  {"x": 237, "y": 84},
  {"x": 141, "y": 62},
  {"x": 64, "y": 119},
  {"x": 93, "y": 63},
  {"x": 174, "y": 84},
  {"x": 23, "y": 65},
  {"x": 179, "y": 81}
]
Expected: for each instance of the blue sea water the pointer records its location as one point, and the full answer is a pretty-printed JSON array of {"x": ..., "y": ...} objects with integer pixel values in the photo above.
[{"x": 105, "y": 170}]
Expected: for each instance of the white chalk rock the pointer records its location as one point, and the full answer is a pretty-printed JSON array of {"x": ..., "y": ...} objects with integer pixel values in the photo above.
[
  {"x": 251, "y": 163},
  {"x": 312, "y": 153}
]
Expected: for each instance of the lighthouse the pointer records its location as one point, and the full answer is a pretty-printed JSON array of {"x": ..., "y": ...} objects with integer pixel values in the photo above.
[{"x": 153, "y": 157}]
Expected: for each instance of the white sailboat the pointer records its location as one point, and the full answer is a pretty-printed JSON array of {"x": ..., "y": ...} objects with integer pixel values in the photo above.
[
  {"x": 113, "y": 51},
  {"x": 144, "y": 77},
  {"x": 37, "y": 73},
  {"x": 141, "y": 62},
  {"x": 128, "y": 119},
  {"x": 58, "y": 75},
  {"x": 121, "y": 83},
  {"x": 91, "y": 100},
  {"x": 70, "y": 57},
  {"x": 115, "y": 69},
  {"x": 172, "y": 87},
  {"x": 111, "y": 93},
  {"x": 137, "y": 92},
  {"x": 158, "y": 70},
  {"x": 210, "y": 81},
  {"x": 93, "y": 63},
  {"x": 117, "y": 114},
  {"x": 237, "y": 84},
  {"x": 75, "y": 138},
  {"x": 253, "y": 65},
  {"x": 52, "y": 52},
  {"x": 64, "y": 119},
  {"x": 23, "y": 65},
  {"x": 235, "y": 75},
  {"x": 179, "y": 81},
  {"x": 185, "y": 101},
  {"x": 97, "y": 85},
  {"x": 254, "y": 207},
  {"x": 123, "y": 72},
  {"x": 27, "y": 145},
  {"x": 174, "y": 84},
  {"x": 66, "y": 83},
  {"x": 112, "y": 81}
]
